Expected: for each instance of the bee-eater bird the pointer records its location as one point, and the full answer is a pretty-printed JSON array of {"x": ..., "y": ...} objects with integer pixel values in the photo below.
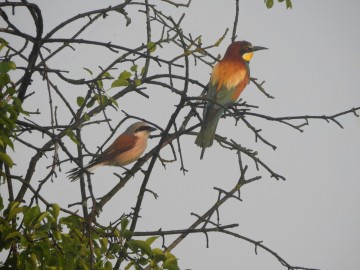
[
  {"x": 229, "y": 78},
  {"x": 127, "y": 148}
]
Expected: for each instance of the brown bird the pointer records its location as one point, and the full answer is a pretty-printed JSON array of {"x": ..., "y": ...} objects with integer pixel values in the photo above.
[
  {"x": 228, "y": 79},
  {"x": 127, "y": 148}
]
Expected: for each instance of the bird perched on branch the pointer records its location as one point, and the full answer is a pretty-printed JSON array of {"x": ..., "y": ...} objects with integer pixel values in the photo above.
[
  {"x": 228, "y": 79},
  {"x": 127, "y": 148}
]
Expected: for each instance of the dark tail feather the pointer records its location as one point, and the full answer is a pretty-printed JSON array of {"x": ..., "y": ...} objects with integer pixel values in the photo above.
[
  {"x": 202, "y": 153},
  {"x": 76, "y": 173},
  {"x": 206, "y": 135}
]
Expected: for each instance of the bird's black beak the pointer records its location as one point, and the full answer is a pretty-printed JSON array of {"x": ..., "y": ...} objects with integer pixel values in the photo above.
[
  {"x": 258, "y": 48},
  {"x": 152, "y": 129}
]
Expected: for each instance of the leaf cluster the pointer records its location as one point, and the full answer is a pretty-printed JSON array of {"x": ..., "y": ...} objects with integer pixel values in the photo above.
[
  {"x": 10, "y": 108},
  {"x": 42, "y": 240}
]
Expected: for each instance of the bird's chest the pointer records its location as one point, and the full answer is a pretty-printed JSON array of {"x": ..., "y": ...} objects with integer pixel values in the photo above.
[
  {"x": 228, "y": 81},
  {"x": 132, "y": 154},
  {"x": 230, "y": 75},
  {"x": 232, "y": 79}
]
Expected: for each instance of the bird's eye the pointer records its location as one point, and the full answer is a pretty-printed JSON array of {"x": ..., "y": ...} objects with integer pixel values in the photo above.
[{"x": 245, "y": 50}]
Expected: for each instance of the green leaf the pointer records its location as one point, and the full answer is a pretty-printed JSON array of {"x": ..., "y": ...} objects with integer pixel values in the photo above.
[
  {"x": 116, "y": 232},
  {"x": 158, "y": 254},
  {"x": 124, "y": 223},
  {"x": 104, "y": 243},
  {"x": 39, "y": 252},
  {"x": 18, "y": 105},
  {"x": 6, "y": 159},
  {"x": 30, "y": 215},
  {"x": 171, "y": 263},
  {"x": 127, "y": 233},
  {"x": 12, "y": 205},
  {"x": 24, "y": 241},
  {"x": 14, "y": 114},
  {"x": 80, "y": 101},
  {"x": 151, "y": 46},
  {"x": 6, "y": 66},
  {"x": 269, "y": 3},
  {"x": 91, "y": 102},
  {"x": 11, "y": 90},
  {"x": 143, "y": 70},
  {"x": 42, "y": 229},
  {"x": 4, "y": 79},
  {"x": 119, "y": 83},
  {"x": 7, "y": 122},
  {"x": 86, "y": 117},
  {"x": 169, "y": 255},
  {"x": 151, "y": 239},
  {"x": 136, "y": 245},
  {"x": 129, "y": 266},
  {"x": 57, "y": 235},
  {"x": 143, "y": 261},
  {"x": 107, "y": 266},
  {"x": 100, "y": 84},
  {"x": 134, "y": 68},
  {"x": 104, "y": 100},
  {"x": 30, "y": 262},
  {"x": 4, "y": 122},
  {"x": 125, "y": 75},
  {"x": 72, "y": 136},
  {"x": 114, "y": 102},
  {"x": 55, "y": 210},
  {"x": 107, "y": 75},
  {"x": 288, "y": 4},
  {"x": 71, "y": 221},
  {"x": 5, "y": 141},
  {"x": 11, "y": 235},
  {"x": 3, "y": 43},
  {"x": 88, "y": 70},
  {"x": 42, "y": 216},
  {"x": 14, "y": 210},
  {"x": 138, "y": 82}
]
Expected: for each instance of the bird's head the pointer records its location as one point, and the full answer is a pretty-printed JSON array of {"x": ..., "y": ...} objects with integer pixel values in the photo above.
[
  {"x": 243, "y": 49},
  {"x": 139, "y": 129}
]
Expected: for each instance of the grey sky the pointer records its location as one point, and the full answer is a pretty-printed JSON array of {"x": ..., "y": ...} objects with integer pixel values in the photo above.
[{"x": 312, "y": 67}]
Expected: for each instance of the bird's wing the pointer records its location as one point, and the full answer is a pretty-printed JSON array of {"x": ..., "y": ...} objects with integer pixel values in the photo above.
[{"x": 122, "y": 144}]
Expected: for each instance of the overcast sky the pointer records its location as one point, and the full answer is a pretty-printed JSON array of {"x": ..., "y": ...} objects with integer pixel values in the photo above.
[{"x": 311, "y": 68}]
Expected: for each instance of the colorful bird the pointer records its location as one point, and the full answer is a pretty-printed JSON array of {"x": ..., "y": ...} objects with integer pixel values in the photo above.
[
  {"x": 127, "y": 148},
  {"x": 228, "y": 79}
]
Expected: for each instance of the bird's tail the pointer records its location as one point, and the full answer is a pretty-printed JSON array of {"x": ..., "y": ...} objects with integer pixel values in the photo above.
[
  {"x": 76, "y": 173},
  {"x": 206, "y": 135}
]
